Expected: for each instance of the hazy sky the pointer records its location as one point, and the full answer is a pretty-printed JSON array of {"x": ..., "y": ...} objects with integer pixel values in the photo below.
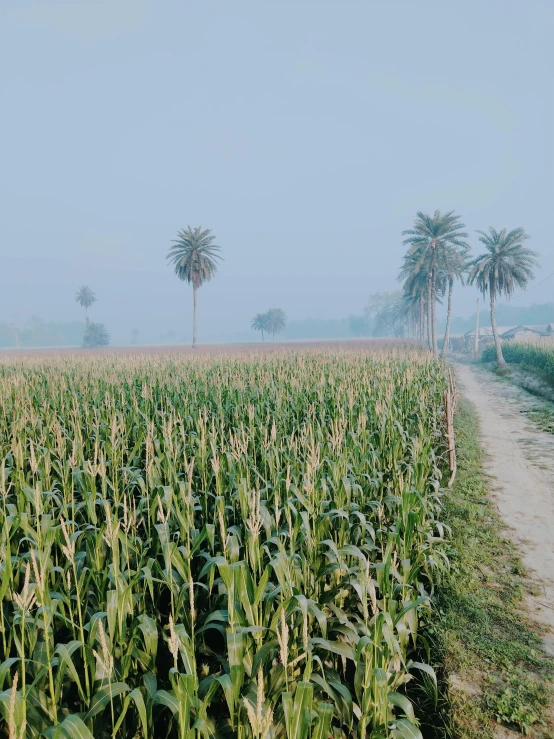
[{"x": 306, "y": 133}]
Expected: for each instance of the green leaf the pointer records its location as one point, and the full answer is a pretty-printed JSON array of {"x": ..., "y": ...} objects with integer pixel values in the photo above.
[
  {"x": 74, "y": 728},
  {"x": 402, "y": 702},
  {"x": 5, "y": 669},
  {"x": 65, "y": 651},
  {"x": 336, "y": 647},
  {"x": 150, "y": 633},
  {"x": 301, "y": 714},
  {"x": 136, "y": 696},
  {"x": 404, "y": 729},
  {"x": 423, "y": 668},
  {"x": 227, "y": 685},
  {"x": 325, "y": 716},
  {"x": 103, "y": 696},
  {"x": 6, "y": 575},
  {"x": 166, "y": 698}
]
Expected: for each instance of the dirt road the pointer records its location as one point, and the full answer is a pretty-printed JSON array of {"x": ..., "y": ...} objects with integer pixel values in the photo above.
[{"x": 521, "y": 464}]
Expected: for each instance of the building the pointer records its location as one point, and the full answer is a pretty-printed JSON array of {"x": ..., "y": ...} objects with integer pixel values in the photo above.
[
  {"x": 466, "y": 342},
  {"x": 485, "y": 336},
  {"x": 520, "y": 332}
]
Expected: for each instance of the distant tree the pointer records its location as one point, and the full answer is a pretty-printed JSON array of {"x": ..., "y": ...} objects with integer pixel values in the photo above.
[
  {"x": 85, "y": 297},
  {"x": 260, "y": 323},
  {"x": 134, "y": 335},
  {"x": 452, "y": 265},
  {"x": 426, "y": 242},
  {"x": 416, "y": 292},
  {"x": 384, "y": 310},
  {"x": 276, "y": 321},
  {"x": 194, "y": 257},
  {"x": 505, "y": 266},
  {"x": 96, "y": 335}
]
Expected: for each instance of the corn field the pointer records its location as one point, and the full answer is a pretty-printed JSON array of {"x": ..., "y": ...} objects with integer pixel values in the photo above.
[
  {"x": 239, "y": 546},
  {"x": 537, "y": 353}
]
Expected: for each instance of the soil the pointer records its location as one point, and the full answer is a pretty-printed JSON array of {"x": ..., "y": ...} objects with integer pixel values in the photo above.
[
  {"x": 268, "y": 346},
  {"x": 520, "y": 461}
]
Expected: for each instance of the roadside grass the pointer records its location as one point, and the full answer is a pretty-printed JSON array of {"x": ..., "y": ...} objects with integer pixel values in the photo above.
[
  {"x": 537, "y": 383},
  {"x": 543, "y": 417},
  {"x": 494, "y": 666}
]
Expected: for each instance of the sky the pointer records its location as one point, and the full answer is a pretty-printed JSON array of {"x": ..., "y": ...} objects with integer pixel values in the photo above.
[{"x": 305, "y": 133}]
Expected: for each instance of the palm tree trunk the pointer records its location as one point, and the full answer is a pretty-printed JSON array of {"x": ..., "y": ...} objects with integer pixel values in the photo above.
[
  {"x": 194, "y": 290},
  {"x": 263, "y": 335},
  {"x": 448, "y": 317},
  {"x": 499, "y": 356},
  {"x": 434, "y": 312},
  {"x": 429, "y": 317},
  {"x": 422, "y": 319}
]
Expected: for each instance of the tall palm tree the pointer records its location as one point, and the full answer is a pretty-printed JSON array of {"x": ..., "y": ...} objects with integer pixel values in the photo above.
[
  {"x": 408, "y": 313},
  {"x": 260, "y": 323},
  {"x": 194, "y": 256},
  {"x": 453, "y": 264},
  {"x": 276, "y": 321},
  {"x": 85, "y": 297},
  {"x": 425, "y": 241},
  {"x": 506, "y": 265},
  {"x": 416, "y": 288}
]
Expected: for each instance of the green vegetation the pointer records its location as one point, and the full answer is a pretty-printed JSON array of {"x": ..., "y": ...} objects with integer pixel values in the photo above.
[
  {"x": 543, "y": 417},
  {"x": 492, "y": 655},
  {"x": 260, "y": 323},
  {"x": 505, "y": 266},
  {"x": 194, "y": 257},
  {"x": 85, "y": 297},
  {"x": 537, "y": 354},
  {"x": 276, "y": 321},
  {"x": 273, "y": 322},
  {"x": 436, "y": 256},
  {"x": 96, "y": 336},
  {"x": 241, "y": 545}
]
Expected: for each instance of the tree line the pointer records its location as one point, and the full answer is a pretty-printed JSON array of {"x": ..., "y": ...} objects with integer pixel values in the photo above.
[
  {"x": 438, "y": 255},
  {"x": 272, "y": 322}
]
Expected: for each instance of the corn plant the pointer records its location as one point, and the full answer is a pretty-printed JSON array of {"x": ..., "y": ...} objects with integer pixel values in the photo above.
[
  {"x": 218, "y": 546},
  {"x": 538, "y": 354}
]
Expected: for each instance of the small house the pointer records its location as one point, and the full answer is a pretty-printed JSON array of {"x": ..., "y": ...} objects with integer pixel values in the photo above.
[{"x": 521, "y": 332}]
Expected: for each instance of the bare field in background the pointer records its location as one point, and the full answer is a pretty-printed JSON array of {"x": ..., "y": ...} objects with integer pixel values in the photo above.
[{"x": 217, "y": 349}]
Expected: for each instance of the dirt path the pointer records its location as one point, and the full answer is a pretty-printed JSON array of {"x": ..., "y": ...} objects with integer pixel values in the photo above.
[{"x": 521, "y": 463}]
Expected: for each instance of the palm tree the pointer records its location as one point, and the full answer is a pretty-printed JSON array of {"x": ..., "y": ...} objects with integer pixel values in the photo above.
[
  {"x": 453, "y": 265},
  {"x": 429, "y": 237},
  {"x": 416, "y": 288},
  {"x": 505, "y": 266},
  {"x": 85, "y": 297},
  {"x": 96, "y": 335},
  {"x": 408, "y": 313},
  {"x": 276, "y": 321},
  {"x": 260, "y": 323},
  {"x": 194, "y": 256}
]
